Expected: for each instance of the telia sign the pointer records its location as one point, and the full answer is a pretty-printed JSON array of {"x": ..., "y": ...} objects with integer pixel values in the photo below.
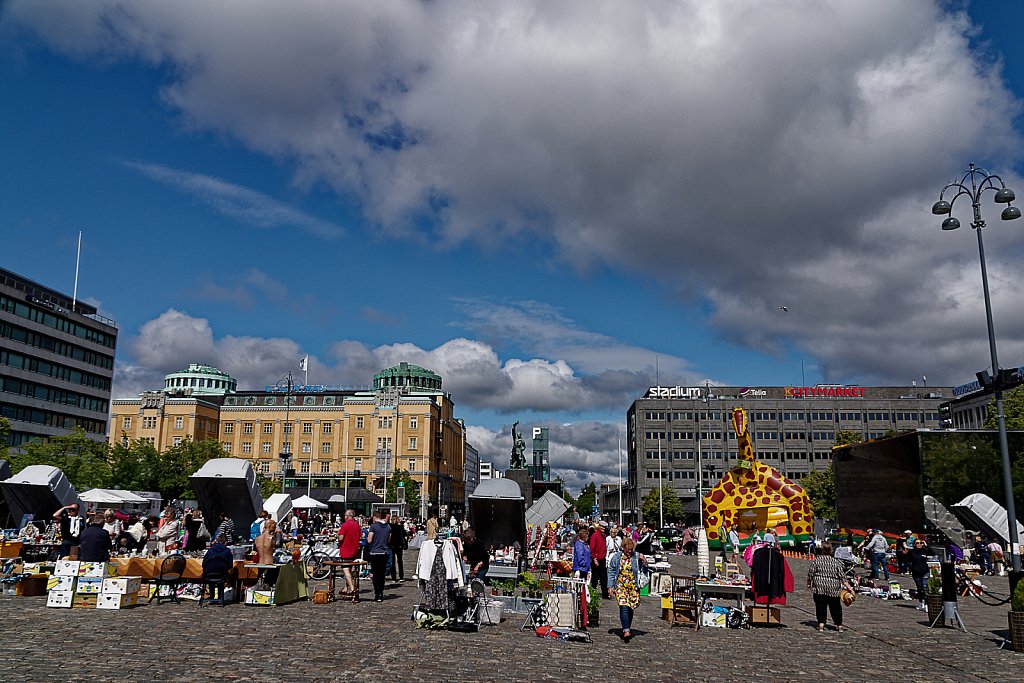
[
  {"x": 747, "y": 391},
  {"x": 675, "y": 392}
]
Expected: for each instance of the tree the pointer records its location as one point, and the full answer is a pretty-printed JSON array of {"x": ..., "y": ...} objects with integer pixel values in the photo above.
[
  {"x": 178, "y": 463},
  {"x": 820, "y": 487},
  {"x": 672, "y": 508},
  {"x": 587, "y": 499},
  {"x": 83, "y": 460},
  {"x": 411, "y": 486},
  {"x": 5, "y": 429},
  {"x": 1013, "y": 410},
  {"x": 134, "y": 467},
  {"x": 268, "y": 486},
  {"x": 847, "y": 436}
]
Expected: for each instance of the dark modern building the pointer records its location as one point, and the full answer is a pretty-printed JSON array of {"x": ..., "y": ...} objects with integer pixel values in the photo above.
[
  {"x": 56, "y": 362},
  {"x": 683, "y": 436}
]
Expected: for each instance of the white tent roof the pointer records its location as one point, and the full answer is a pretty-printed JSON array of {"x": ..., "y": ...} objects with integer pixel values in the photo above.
[
  {"x": 307, "y": 502},
  {"x": 278, "y": 505},
  {"x": 111, "y": 496},
  {"x": 548, "y": 508}
]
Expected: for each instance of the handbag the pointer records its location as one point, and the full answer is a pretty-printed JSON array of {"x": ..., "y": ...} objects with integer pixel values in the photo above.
[
  {"x": 203, "y": 534},
  {"x": 643, "y": 577},
  {"x": 847, "y": 597}
]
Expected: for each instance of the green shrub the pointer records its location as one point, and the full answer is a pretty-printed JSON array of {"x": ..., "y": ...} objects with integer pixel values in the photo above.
[
  {"x": 1017, "y": 602},
  {"x": 934, "y": 585}
]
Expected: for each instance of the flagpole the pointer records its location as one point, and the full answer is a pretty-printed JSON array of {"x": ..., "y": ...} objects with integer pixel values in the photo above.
[{"x": 78, "y": 258}]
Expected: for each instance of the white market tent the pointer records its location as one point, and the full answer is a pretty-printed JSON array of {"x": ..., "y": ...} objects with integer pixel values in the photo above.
[
  {"x": 305, "y": 502},
  {"x": 112, "y": 497},
  {"x": 988, "y": 516},
  {"x": 548, "y": 508},
  {"x": 278, "y": 505}
]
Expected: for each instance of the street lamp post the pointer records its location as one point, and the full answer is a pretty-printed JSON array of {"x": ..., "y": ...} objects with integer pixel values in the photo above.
[
  {"x": 620, "y": 483},
  {"x": 980, "y": 181}
]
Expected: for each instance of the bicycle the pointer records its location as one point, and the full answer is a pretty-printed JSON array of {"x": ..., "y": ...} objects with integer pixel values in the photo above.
[{"x": 313, "y": 557}]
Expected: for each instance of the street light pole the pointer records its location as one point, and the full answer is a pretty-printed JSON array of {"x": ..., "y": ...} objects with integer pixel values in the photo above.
[
  {"x": 981, "y": 180},
  {"x": 661, "y": 490}
]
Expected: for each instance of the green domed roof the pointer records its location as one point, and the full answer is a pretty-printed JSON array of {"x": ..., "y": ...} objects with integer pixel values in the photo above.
[{"x": 407, "y": 375}]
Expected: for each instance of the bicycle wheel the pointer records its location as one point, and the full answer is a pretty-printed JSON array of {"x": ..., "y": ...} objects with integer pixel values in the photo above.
[{"x": 315, "y": 567}]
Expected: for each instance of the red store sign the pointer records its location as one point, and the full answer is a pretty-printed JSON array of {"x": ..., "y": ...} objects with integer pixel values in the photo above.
[{"x": 824, "y": 392}]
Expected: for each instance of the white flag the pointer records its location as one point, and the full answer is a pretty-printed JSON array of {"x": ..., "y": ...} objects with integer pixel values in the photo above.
[{"x": 303, "y": 362}]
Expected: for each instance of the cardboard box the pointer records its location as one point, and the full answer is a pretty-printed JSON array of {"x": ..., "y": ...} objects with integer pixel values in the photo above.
[
  {"x": 59, "y": 598},
  {"x": 31, "y": 568},
  {"x": 255, "y": 597},
  {"x": 760, "y": 614},
  {"x": 81, "y": 601},
  {"x": 116, "y": 600},
  {"x": 32, "y": 585},
  {"x": 61, "y": 583},
  {"x": 96, "y": 569},
  {"x": 9, "y": 549},
  {"x": 89, "y": 585},
  {"x": 122, "y": 585},
  {"x": 715, "y": 618},
  {"x": 66, "y": 568}
]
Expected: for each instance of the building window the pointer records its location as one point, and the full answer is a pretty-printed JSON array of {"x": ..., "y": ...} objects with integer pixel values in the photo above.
[
  {"x": 226, "y": 445},
  {"x": 247, "y": 428},
  {"x": 229, "y": 427},
  {"x": 179, "y": 422},
  {"x": 247, "y": 447},
  {"x": 414, "y": 422},
  {"x": 325, "y": 447},
  {"x": 307, "y": 427},
  {"x": 328, "y": 426},
  {"x": 384, "y": 422},
  {"x": 654, "y": 436},
  {"x": 287, "y": 427},
  {"x": 412, "y": 443},
  {"x": 359, "y": 443},
  {"x": 800, "y": 417},
  {"x": 358, "y": 464},
  {"x": 177, "y": 441},
  {"x": 268, "y": 427},
  {"x": 304, "y": 467},
  {"x": 412, "y": 464},
  {"x": 264, "y": 466},
  {"x": 126, "y": 423},
  {"x": 149, "y": 423},
  {"x": 265, "y": 447},
  {"x": 359, "y": 422},
  {"x": 325, "y": 467},
  {"x": 286, "y": 447},
  {"x": 307, "y": 447}
]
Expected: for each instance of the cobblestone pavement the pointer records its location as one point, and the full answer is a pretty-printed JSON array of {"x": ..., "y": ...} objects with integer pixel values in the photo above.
[{"x": 886, "y": 640}]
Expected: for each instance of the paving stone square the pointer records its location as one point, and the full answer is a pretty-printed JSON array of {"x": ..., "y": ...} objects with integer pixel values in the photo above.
[{"x": 885, "y": 641}]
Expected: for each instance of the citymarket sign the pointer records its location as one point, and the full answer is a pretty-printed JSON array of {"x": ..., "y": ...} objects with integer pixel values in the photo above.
[{"x": 824, "y": 392}]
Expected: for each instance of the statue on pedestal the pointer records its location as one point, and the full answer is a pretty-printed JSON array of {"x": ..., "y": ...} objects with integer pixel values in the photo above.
[{"x": 518, "y": 459}]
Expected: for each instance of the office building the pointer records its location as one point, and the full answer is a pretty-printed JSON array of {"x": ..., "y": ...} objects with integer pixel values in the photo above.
[
  {"x": 683, "y": 436},
  {"x": 56, "y": 362}
]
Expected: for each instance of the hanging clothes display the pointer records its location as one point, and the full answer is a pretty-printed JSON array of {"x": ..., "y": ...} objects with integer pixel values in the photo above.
[
  {"x": 439, "y": 569},
  {"x": 770, "y": 577}
]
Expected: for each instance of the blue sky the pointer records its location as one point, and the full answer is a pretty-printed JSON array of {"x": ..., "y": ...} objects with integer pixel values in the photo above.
[{"x": 543, "y": 202}]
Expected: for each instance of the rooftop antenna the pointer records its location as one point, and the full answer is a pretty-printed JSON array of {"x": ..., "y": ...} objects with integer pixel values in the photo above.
[{"x": 78, "y": 257}]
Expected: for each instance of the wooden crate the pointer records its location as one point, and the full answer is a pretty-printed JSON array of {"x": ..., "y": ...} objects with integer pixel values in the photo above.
[{"x": 761, "y": 614}]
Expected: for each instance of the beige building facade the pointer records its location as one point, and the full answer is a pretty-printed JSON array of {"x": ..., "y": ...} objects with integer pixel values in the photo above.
[{"x": 319, "y": 436}]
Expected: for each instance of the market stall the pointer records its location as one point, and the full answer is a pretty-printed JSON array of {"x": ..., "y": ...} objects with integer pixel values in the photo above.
[
  {"x": 38, "y": 490},
  {"x": 228, "y": 485},
  {"x": 497, "y": 514},
  {"x": 278, "y": 505}
]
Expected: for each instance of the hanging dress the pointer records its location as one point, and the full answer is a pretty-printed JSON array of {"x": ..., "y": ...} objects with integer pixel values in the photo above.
[{"x": 435, "y": 593}]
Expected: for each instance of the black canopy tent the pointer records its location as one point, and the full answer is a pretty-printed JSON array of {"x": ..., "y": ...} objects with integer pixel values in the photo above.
[{"x": 497, "y": 512}]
